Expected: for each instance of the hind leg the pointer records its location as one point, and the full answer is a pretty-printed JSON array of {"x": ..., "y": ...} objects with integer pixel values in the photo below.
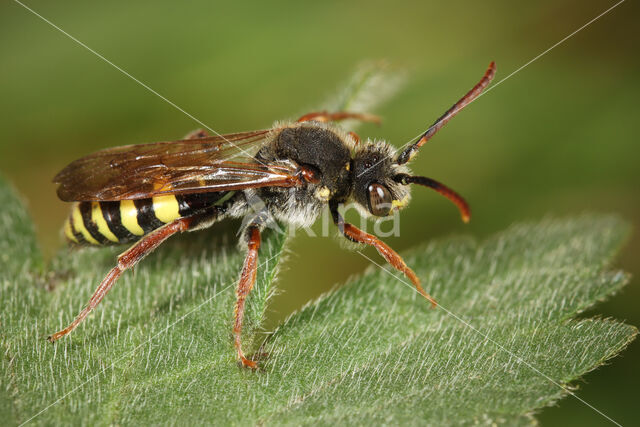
[
  {"x": 197, "y": 134},
  {"x": 324, "y": 116},
  {"x": 129, "y": 259}
]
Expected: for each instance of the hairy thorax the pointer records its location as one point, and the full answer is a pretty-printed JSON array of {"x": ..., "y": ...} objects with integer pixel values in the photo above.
[{"x": 320, "y": 149}]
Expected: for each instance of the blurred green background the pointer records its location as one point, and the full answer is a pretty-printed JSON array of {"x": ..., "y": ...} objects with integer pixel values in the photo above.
[{"x": 557, "y": 138}]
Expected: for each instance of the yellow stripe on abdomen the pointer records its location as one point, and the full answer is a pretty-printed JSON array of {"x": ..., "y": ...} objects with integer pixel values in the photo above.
[
  {"x": 129, "y": 217},
  {"x": 68, "y": 231},
  {"x": 166, "y": 208},
  {"x": 101, "y": 223},
  {"x": 78, "y": 224}
]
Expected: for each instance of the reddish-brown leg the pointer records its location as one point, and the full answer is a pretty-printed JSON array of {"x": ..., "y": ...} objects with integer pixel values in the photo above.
[
  {"x": 354, "y": 234},
  {"x": 196, "y": 134},
  {"x": 308, "y": 174},
  {"x": 247, "y": 279},
  {"x": 126, "y": 260},
  {"x": 323, "y": 116},
  {"x": 355, "y": 137}
]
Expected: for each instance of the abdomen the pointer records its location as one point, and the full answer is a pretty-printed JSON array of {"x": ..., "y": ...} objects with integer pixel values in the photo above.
[{"x": 124, "y": 221}]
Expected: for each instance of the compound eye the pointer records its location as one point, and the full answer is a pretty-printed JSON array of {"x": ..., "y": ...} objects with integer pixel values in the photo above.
[{"x": 379, "y": 200}]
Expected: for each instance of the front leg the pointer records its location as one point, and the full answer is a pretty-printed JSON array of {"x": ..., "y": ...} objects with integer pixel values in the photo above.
[{"x": 354, "y": 234}]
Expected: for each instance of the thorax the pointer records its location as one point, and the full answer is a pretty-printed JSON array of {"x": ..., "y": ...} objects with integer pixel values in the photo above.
[{"x": 325, "y": 150}]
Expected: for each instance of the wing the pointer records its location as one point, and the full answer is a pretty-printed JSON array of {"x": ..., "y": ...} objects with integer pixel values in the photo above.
[{"x": 186, "y": 166}]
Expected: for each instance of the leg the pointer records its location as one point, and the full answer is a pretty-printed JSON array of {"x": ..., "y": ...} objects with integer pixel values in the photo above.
[
  {"x": 126, "y": 260},
  {"x": 354, "y": 234},
  {"x": 197, "y": 134},
  {"x": 355, "y": 137},
  {"x": 247, "y": 280},
  {"x": 323, "y": 116}
]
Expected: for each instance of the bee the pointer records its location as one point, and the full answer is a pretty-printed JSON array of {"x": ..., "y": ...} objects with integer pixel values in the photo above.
[{"x": 146, "y": 193}]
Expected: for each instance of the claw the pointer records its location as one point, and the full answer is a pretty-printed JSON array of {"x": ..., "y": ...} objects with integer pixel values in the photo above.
[{"x": 248, "y": 363}]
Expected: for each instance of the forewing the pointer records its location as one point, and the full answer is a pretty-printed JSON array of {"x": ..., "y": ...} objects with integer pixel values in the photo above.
[{"x": 177, "y": 167}]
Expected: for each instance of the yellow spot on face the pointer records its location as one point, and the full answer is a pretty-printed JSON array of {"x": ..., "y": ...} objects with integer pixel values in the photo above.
[
  {"x": 78, "y": 224},
  {"x": 68, "y": 232},
  {"x": 399, "y": 204},
  {"x": 129, "y": 217},
  {"x": 166, "y": 208},
  {"x": 348, "y": 166},
  {"x": 101, "y": 223},
  {"x": 323, "y": 193}
]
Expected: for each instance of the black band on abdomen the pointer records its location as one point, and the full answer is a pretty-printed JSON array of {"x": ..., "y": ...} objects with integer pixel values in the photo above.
[
  {"x": 190, "y": 203},
  {"x": 111, "y": 214},
  {"x": 92, "y": 228},
  {"x": 147, "y": 218}
]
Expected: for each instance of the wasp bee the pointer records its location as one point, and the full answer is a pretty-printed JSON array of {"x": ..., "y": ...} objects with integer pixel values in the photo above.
[{"x": 146, "y": 193}]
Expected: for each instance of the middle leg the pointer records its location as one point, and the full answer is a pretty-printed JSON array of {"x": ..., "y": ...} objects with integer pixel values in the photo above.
[{"x": 245, "y": 285}]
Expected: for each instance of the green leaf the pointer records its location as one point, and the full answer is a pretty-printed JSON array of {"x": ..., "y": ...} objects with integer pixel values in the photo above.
[
  {"x": 158, "y": 349},
  {"x": 498, "y": 347}
]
